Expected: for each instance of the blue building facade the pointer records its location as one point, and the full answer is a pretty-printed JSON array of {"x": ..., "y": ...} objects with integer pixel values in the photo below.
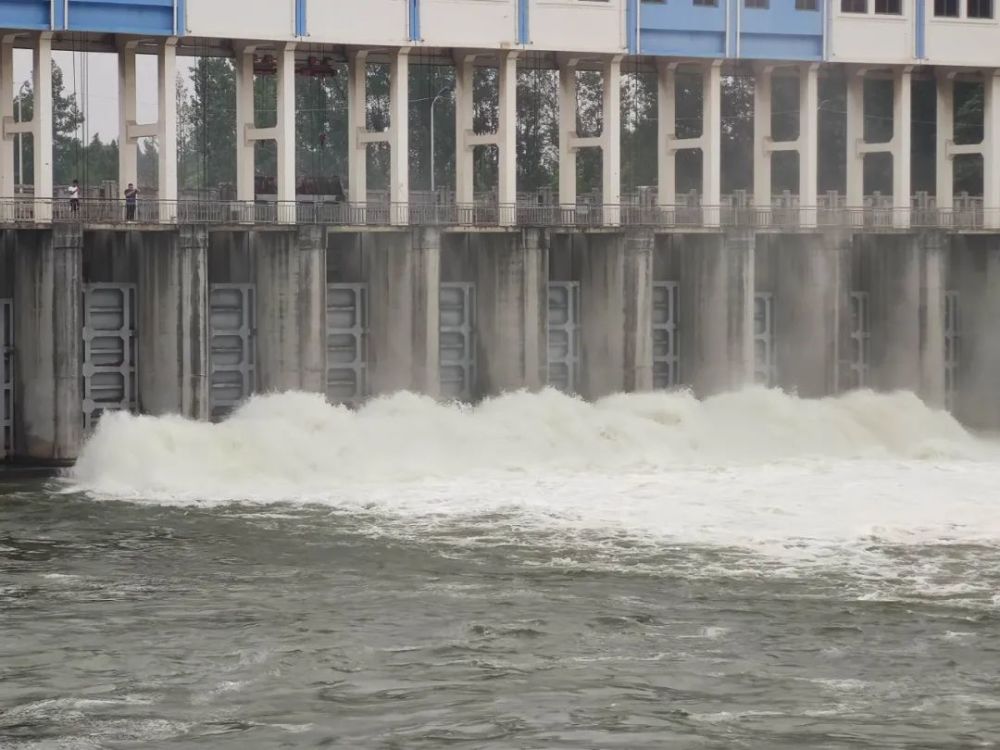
[
  {"x": 157, "y": 17},
  {"x": 752, "y": 29}
]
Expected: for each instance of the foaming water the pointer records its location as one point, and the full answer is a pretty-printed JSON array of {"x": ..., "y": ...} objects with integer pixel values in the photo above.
[{"x": 285, "y": 446}]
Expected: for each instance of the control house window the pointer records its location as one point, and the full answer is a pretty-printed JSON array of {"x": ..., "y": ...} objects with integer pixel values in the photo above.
[
  {"x": 853, "y": 6},
  {"x": 889, "y": 7},
  {"x": 980, "y": 9},
  {"x": 764, "y": 4},
  {"x": 806, "y": 5},
  {"x": 946, "y": 8},
  {"x": 706, "y": 3}
]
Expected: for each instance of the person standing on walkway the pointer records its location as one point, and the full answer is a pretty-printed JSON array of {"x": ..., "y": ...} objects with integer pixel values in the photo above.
[
  {"x": 74, "y": 198},
  {"x": 131, "y": 201}
]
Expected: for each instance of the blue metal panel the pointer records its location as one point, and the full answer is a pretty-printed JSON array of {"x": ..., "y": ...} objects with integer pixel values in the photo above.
[
  {"x": 523, "y": 22},
  {"x": 181, "y": 29},
  {"x": 921, "y": 42},
  {"x": 122, "y": 16},
  {"x": 780, "y": 32},
  {"x": 414, "y": 14},
  {"x": 25, "y": 14},
  {"x": 301, "y": 18},
  {"x": 679, "y": 27},
  {"x": 632, "y": 26}
]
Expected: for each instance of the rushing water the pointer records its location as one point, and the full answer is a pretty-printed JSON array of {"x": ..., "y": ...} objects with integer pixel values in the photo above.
[{"x": 754, "y": 571}]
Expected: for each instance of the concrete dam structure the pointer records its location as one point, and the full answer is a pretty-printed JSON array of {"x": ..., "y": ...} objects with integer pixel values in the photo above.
[
  {"x": 188, "y": 305},
  {"x": 192, "y": 320}
]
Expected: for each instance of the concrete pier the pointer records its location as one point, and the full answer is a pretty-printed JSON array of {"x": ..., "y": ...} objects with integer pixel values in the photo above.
[
  {"x": 48, "y": 277},
  {"x": 404, "y": 271},
  {"x": 716, "y": 274},
  {"x": 173, "y": 323},
  {"x": 975, "y": 275},
  {"x": 616, "y": 292},
  {"x": 904, "y": 276},
  {"x": 291, "y": 309},
  {"x": 802, "y": 273},
  {"x": 511, "y": 273}
]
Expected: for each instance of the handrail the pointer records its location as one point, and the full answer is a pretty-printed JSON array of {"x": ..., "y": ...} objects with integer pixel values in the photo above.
[{"x": 969, "y": 216}]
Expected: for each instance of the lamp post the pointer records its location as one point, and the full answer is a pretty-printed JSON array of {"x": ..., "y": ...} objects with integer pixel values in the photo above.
[{"x": 440, "y": 94}]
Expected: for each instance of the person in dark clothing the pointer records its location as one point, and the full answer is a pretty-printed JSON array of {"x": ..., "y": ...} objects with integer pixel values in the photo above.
[{"x": 131, "y": 201}]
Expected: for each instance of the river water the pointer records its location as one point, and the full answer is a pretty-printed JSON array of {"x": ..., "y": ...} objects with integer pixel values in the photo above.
[{"x": 753, "y": 571}]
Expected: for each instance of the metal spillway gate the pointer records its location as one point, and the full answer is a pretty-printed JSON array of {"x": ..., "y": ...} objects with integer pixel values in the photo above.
[
  {"x": 347, "y": 343},
  {"x": 458, "y": 340},
  {"x": 564, "y": 335},
  {"x": 109, "y": 350},
  {"x": 7, "y": 377},
  {"x": 666, "y": 355},
  {"x": 232, "y": 319}
]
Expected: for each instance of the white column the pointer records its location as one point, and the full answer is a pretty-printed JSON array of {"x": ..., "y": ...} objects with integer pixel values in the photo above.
[
  {"x": 567, "y": 134},
  {"x": 711, "y": 162},
  {"x": 808, "y": 143},
  {"x": 944, "y": 193},
  {"x": 762, "y": 137},
  {"x": 399, "y": 131},
  {"x": 611, "y": 136},
  {"x": 285, "y": 134},
  {"x": 464, "y": 161},
  {"x": 357, "y": 147},
  {"x": 507, "y": 138},
  {"x": 901, "y": 146},
  {"x": 8, "y": 178},
  {"x": 128, "y": 157},
  {"x": 167, "y": 129},
  {"x": 666, "y": 128},
  {"x": 991, "y": 150},
  {"x": 855, "y": 172},
  {"x": 245, "y": 121},
  {"x": 43, "y": 127}
]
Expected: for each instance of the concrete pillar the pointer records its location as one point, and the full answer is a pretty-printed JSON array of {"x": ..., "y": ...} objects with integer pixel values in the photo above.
[
  {"x": 711, "y": 162},
  {"x": 945, "y": 172},
  {"x": 666, "y": 133},
  {"x": 285, "y": 135},
  {"x": 245, "y": 122},
  {"x": 464, "y": 115},
  {"x": 802, "y": 272},
  {"x": 357, "y": 146},
  {"x": 128, "y": 154},
  {"x": 716, "y": 311},
  {"x": 905, "y": 281},
  {"x": 403, "y": 301},
  {"x": 976, "y": 277},
  {"x": 166, "y": 137},
  {"x": 291, "y": 309},
  {"x": 8, "y": 178},
  {"x": 567, "y": 134},
  {"x": 173, "y": 322},
  {"x": 399, "y": 131},
  {"x": 808, "y": 143},
  {"x": 507, "y": 138},
  {"x": 48, "y": 341},
  {"x": 42, "y": 127},
  {"x": 991, "y": 150},
  {"x": 902, "y": 139},
  {"x": 762, "y": 107},
  {"x": 511, "y": 304},
  {"x": 611, "y": 141},
  {"x": 616, "y": 301},
  {"x": 855, "y": 138}
]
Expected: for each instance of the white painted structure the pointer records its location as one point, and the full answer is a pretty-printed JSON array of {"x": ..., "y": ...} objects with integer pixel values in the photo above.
[
  {"x": 484, "y": 24},
  {"x": 592, "y": 26},
  {"x": 872, "y": 37}
]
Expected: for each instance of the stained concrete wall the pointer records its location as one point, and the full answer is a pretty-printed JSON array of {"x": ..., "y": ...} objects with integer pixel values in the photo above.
[
  {"x": 975, "y": 275},
  {"x": 404, "y": 273},
  {"x": 290, "y": 268},
  {"x": 616, "y": 298},
  {"x": 173, "y": 333},
  {"x": 48, "y": 287},
  {"x": 231, "y": 259},
  {"x": 715, "y": 325},
  {"x": 802, "y": 273},
  {"x": 905, "y": 276}
]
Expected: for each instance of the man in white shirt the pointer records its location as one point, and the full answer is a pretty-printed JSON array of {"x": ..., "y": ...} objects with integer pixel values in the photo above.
[{"x": 74, "y": 197}]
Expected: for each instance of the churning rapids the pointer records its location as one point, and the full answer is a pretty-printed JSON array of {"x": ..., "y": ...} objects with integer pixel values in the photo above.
[{"x": 751, "y": 571}]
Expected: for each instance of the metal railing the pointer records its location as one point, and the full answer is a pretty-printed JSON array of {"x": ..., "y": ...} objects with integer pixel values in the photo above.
[{"x": 876, "y": 215}]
